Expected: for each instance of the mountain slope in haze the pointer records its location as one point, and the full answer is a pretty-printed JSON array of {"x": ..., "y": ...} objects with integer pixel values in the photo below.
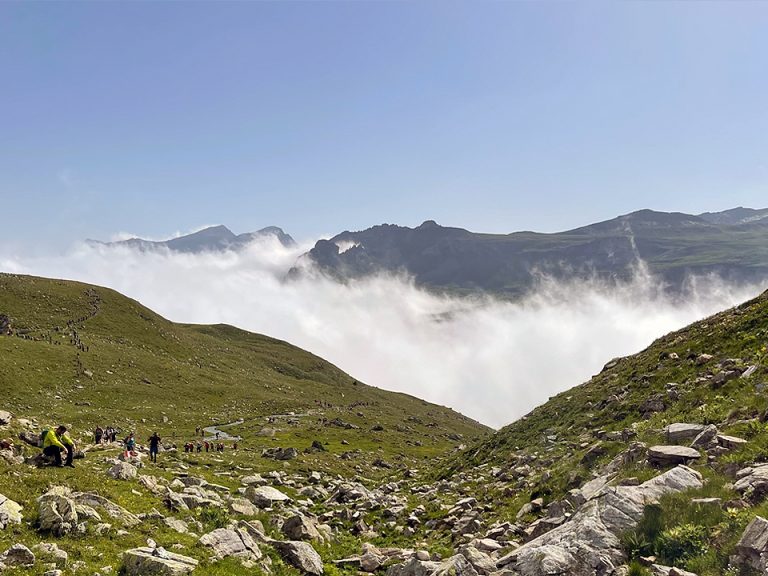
[
  {"x": 87, "y": 356},
  {"x": 674, "y": 246},
  {"x": 211, "y": 239}
]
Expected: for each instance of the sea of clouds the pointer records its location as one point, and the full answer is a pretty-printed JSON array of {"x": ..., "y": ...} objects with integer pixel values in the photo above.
[{"x": 489, "y": 359}]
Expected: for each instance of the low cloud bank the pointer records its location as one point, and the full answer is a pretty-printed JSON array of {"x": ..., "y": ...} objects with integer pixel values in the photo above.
[{"x": 491, "y": 360}]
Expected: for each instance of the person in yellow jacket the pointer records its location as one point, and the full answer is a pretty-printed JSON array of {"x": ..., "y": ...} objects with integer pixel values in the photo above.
[{"x": 57, "y": 440}]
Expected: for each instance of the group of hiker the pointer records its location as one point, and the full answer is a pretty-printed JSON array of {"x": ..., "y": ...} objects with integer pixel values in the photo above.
[
  {"x": 191, "y": 447},
  {"x": 106, "y": 435}
]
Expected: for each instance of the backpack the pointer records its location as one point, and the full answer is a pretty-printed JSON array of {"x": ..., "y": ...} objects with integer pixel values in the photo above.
[{"x": 43, "y": 434}]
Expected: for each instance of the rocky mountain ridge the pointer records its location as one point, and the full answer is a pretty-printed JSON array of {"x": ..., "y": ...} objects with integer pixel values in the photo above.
[{"x": 673, "y": 246}]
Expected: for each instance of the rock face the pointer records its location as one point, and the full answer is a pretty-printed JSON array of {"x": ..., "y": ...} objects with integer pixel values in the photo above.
[
  {"x": 671, "y": 455},
  {"x": 156, "y": 562},
  {"x": 10, "y": 512},
  {"x": 265, "y": 496},
  {"x": 227, "y": 542},
  {"x": 752, "y": 548},
  {"x": 589, "y": 543},
  {"x": 300, "y": 555}
]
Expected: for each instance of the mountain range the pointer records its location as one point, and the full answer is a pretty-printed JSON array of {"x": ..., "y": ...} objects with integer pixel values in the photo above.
[
  {"x": 674, "y": 246},
  {"x": 211, "y": 239}
]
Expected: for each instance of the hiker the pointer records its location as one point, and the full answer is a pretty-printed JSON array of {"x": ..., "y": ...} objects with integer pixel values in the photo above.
[
  {"x": 97, "y": 435},
  {"x": 154, "y": 447},
  {"x": 56, "y": 440},
  {"x": 234, "y": 446},
  {"x": 130, "y": 445},
  {"x": 199, "y": 446}
]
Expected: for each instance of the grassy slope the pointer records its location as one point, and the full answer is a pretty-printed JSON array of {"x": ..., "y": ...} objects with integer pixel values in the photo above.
[{"x": 146, "y": 369}]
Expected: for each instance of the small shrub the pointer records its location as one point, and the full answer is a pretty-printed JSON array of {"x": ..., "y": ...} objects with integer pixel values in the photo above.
[
  {"x": 681, "y": 542},
  {"x": 637, "y": 569}
]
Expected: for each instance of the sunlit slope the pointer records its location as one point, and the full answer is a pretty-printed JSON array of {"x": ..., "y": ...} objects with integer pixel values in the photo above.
[{"x": 87, "y": 355}]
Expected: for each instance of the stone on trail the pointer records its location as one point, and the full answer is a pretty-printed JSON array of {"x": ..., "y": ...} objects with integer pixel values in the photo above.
[
  {"x": 671, "y": 455},
  {"x": 156, "y": 562},
  {"x": 300, "y": 555}
]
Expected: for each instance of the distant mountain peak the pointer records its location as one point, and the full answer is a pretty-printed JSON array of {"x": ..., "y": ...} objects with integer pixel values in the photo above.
[{"x": 216, "y": 238}]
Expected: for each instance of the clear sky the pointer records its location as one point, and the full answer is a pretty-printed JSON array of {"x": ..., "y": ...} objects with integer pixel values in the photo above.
[{"x": 154, "y": 117}]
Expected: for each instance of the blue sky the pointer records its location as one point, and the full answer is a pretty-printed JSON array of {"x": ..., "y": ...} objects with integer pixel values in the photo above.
[{"x": 318, "y": 117}]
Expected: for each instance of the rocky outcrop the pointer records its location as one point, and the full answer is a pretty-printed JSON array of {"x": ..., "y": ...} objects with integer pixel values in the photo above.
[
  {"x": 123, "y": 471},
  {"x": 589, "y": 543},
  {"x": 156, "y": 562}
]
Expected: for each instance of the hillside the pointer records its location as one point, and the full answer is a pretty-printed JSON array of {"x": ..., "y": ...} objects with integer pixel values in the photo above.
[
  {"x": 733, "y": 244},
  {"x": 87, "y": 355},
  {"x": 701, "y": 387}
]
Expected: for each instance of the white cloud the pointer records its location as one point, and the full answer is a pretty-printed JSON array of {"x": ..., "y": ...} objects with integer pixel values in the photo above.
[{"x": 491, "y": 360}]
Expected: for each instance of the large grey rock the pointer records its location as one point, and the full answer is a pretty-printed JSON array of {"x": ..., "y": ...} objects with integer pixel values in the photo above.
[
  {"x": 590, "y": 543},
  {"x": 226, "y": 542},
  {"x": 123, "y": 471},
  {"x": 482, "y": 563},
  {"x": 114, "y": 510},
  {"x": 156, "y": 562},
  {"x": 299, "y": 527},
  {"x": 265, "y": 496},
  {"x": 705, "y": 437},
  {"x": 682, "y": 432},
  {"x": 10, "y": 512},
  {"x": 752, "y": 483},
  {"x": 456, "y": 565},
  {"x": 414, "y": 567},
  {"x": 51, "y": 553},
  {"x": 671, "y": 455},
  {"x": 5, "y": 417},
  {"x": 18, "y": 555},
  {"x": 57, "y": 511},
  {"x": 752, "y": 548},
  {"x": 300, "y": 555}
]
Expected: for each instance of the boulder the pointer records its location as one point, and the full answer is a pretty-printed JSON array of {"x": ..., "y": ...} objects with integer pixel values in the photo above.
[
  {"x": 17, "y": 555},
  {"x": 280, "y": 453},
  {"x": 752, "y": 483},
  {"x": 5, "y": 417},
  {"x": 123, "y": 471},
  {"x": 299, "y": 527},
  {"x": 705, "y": 437},
  {"x": 480, "y": 562},
  {"x": 681, "y": 432},
  {"x": 114, "y": 510},
  {"x": 57, "y": 511},
  {"x": 265, "y": 496},
  {"x": 51, "y": 553},
  {"x": 300, "y": 555},
  {"x": 227, "y": 542},
  {"x": 242, "y": 506},
  {"x": 456, "y": 565},
  {"x": 752, "y": 549},
  {"x": 730, "y": 442},
  {"x": 10, "y": 512},
  {"x": 176, "y": 524},
  {"x": 671, "y": 455},
  {"x": 156, "y": 562}
]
